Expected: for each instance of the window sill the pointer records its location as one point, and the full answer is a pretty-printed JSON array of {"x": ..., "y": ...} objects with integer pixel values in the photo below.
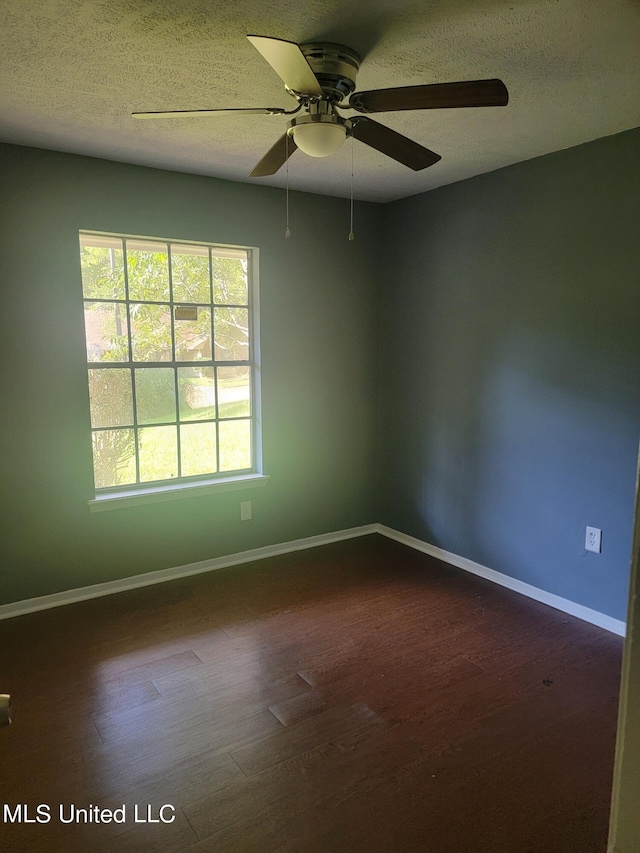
[{"x": 171, "y": 492}]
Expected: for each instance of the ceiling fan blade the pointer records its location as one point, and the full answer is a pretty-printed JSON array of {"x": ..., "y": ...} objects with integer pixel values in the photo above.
[
  {"x": 275, "y": 157},
  {"x": 289, "y": 63},
  {"x": 434, "y": 96},
  {"x": 393, "y": 144},
  {"x": 265, "y": 111}
]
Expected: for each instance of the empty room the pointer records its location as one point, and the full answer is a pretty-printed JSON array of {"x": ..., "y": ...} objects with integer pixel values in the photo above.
[{"x": 320, "y": 425}]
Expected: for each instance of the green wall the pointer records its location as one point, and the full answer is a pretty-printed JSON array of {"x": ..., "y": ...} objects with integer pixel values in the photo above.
[
  {"x": 466, "y": 371},
  {"x": 509, "y": 410},
  {"x": 319, "y": 299}
]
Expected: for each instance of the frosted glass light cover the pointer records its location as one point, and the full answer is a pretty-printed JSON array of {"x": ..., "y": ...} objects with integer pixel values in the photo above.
[{"x": 319, "y": 139}]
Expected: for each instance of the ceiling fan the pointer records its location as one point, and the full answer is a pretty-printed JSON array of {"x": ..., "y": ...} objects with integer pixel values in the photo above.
[{"x": 320, "y": 76}]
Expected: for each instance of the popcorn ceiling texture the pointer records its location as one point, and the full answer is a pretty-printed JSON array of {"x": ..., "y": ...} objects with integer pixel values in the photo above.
[{"x": 72, "y": 71}]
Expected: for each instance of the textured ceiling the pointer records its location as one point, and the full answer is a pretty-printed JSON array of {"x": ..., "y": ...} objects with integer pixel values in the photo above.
[{"x": 72, "y": 71}]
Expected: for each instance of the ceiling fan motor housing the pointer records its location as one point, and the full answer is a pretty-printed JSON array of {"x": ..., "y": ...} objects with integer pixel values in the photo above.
[{"x": 335, "y": 66}]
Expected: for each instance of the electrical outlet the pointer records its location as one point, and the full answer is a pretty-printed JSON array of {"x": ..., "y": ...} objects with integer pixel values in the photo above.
[
  {"x": 593, "y": 539},
  {"x": 245, "y": 510}
]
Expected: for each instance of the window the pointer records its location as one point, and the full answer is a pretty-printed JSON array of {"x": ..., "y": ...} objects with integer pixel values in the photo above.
[{"x": 171, "y": 336}]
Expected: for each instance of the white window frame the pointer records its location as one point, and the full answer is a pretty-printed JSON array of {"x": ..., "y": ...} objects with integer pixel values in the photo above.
[{"x": 115, "y": 497}]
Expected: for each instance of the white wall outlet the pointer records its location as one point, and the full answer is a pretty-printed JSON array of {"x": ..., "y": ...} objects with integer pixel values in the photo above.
[
  {"x": 245, "y": 510},
  {"x": 593, "y": 539}
]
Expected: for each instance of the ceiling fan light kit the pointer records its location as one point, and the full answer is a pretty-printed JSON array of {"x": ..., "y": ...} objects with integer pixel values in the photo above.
[
  {"x": 321, "y": 131},
  {"x": 318, "y": 138}
]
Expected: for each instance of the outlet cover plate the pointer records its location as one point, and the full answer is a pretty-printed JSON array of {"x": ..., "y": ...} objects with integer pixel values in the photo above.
[
  {"x": 245, "y": 510},
  {"x": 593, "y": 539}
]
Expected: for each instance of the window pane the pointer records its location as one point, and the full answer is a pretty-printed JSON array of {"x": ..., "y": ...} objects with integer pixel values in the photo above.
[
  {"x": 102, "y": 270},
  {"x": 234, "y": 392},
  {"x": 137, "y": 291},
  {"x": 148, "y": 271},
  {"x": 197, "y": 393},
  {"x": 190, "y": 273},
  {"x": 106, "y": 331},
  {"x": 155, "y": 395},
  {"x": 150, "y": 332},
  {"x": 114, "y": 461},
  {"x": 110, "y": 397},
  {"x": 231, "y": 329},
  {"x": 157, "y": 447},
  {"x": 193, "y": 337},
  {"x": 198, "y": 449},
  {"x": 229, "y": 281},
  {"x": 235, "y": 445}
]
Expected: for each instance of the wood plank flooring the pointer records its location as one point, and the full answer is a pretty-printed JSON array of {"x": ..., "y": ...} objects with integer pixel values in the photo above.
[{"x": 354, "y": 697}]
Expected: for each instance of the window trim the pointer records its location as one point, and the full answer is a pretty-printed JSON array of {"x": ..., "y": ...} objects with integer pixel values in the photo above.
[
  {"x": 115, "y": 497},
  {"x": 175, "y": 491}
]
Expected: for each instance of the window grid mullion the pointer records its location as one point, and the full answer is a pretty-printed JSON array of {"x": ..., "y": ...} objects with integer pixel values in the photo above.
[
  {"x": 173, "y": 423},
  {"x": 217, "y": 419},
  {"x": 174, "y": 362},
  {"x": 119, "y": 365},
  {"x": 215, "y": 363},
  {"x": 134, "y": 401}
]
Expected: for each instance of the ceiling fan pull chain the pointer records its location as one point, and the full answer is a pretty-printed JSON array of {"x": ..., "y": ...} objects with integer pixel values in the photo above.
[
  {"x": 287, "y": 230},
  {"x": 352, "y": 236}
]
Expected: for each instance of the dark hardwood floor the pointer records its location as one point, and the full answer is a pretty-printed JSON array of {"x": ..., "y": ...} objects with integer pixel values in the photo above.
[{"x": 354, "y": 697}]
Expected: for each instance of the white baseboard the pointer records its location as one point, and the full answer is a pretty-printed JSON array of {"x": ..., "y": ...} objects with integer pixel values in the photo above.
[
  {"x": 57, "y": 599},
  {"x": 570, "y": 607}
]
